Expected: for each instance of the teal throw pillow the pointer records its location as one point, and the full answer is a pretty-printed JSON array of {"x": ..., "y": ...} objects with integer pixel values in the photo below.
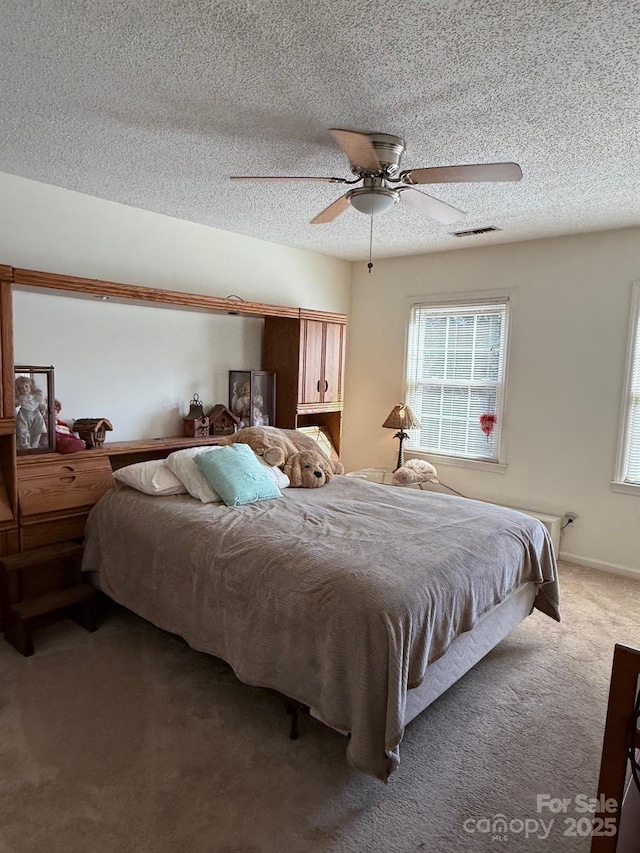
[{"x": 236, "y": 474}]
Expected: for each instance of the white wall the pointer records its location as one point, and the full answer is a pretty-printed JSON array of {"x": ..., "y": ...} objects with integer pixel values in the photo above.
[
  {"x": 568, "y": 346},
  {"x": 47, "y": 228},
  {"x": 138, "y": 366}
]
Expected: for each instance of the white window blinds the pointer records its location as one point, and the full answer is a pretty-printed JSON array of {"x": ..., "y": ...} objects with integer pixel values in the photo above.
[
  {"x": 631, "y": 452},
  {"x": 455, "y": 375}
]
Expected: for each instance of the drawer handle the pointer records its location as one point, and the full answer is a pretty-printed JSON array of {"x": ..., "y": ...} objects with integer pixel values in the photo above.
[
  {"x": 65, "y": 468},
  {"x": 67, "y": 478}
]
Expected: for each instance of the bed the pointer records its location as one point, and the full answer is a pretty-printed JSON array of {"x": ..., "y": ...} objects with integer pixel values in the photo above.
[{"x": 360, "y": 601}]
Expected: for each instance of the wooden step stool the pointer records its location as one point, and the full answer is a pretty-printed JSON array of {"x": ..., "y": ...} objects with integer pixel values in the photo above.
[{"x": 40, "y": 586}]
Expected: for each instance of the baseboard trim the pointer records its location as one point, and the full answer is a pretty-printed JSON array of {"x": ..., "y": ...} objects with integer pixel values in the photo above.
[{"x": 601, "y": 566}]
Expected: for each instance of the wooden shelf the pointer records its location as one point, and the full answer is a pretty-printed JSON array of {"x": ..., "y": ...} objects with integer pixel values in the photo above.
[
  {"x": 157, "y": 296},
  {"x": 118, "y": 448}
]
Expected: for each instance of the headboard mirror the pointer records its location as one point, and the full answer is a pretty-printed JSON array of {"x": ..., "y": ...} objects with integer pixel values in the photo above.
[{"x": 136, "y": 364}]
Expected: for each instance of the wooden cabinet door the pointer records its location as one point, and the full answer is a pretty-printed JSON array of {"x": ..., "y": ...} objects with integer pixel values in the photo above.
[
  {"x": 331, "y": 385},
  {"x": 321, "y": 362},
  {"x": 311, "y": 361}
]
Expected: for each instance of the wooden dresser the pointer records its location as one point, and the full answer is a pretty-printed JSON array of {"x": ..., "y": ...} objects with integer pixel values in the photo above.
[{"x": 55, "y": 495}]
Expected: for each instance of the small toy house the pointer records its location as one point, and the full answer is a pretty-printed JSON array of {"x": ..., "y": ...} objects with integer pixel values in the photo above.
[
  {"x": 92, "y": 430},
  {"x": 222, "y": 421},
  {"x": 196, "y": 423}
]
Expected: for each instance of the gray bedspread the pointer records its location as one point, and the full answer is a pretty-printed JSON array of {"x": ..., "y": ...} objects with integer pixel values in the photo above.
[{"x": 338, "y": 597}]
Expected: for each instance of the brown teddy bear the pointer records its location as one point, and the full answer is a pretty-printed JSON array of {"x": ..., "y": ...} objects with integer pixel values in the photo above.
[
  {"x": 302, "y": 442},
  {"x": 308, "y": 469},
  {"x": 277, "y": 446},
  {"x": 272, "y": 444}
]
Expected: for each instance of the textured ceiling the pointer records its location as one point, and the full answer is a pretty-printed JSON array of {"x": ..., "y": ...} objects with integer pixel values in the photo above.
[{"x": 154, "y": 103}]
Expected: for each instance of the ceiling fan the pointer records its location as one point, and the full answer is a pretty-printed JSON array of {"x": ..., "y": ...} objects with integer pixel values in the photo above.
[{"x": 375, "y": 161}]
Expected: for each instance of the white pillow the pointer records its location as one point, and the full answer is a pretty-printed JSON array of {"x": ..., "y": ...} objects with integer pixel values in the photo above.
[
  {"x": 279, "y": 477},
  {"x": 152, "y": 478},
  {"x": 185, "y": 469}
]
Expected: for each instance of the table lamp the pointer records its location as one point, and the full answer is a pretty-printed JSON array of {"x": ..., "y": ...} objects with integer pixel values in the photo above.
[{"x": 401, "y": 418}]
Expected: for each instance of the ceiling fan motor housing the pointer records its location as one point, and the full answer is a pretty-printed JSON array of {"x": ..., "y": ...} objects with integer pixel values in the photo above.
[{"x": 389, "y": 149}]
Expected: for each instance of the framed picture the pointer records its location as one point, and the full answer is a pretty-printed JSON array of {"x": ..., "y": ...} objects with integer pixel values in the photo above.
[
  {"x": 252, "y": 397},
  {"x": 35, "y": 409}
]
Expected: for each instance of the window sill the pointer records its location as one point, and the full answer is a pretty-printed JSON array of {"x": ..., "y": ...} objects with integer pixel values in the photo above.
[
  {"x": 625, "y": 488},
  {"x": 458, "y": 462}
]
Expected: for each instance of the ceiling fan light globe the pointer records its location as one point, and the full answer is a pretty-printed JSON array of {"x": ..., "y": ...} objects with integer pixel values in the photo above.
[{"x": 371, "y": 202}]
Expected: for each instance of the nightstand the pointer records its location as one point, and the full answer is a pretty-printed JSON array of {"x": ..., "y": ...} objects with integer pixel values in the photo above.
[
  {"x": 384, "y": 475},
  {"x": 374, "y": 475},
  {"x": 40, "y": 586}
]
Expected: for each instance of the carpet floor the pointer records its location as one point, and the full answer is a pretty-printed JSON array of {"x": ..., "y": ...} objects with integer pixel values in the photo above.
[{"x": 127, "y": 740}]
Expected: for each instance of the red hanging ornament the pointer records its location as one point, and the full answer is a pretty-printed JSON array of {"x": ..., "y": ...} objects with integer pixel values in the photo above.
[{"x": 487, "y": 423}]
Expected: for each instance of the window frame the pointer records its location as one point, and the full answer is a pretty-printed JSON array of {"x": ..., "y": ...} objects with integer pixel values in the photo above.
[
  {"x": 457, "y": 300},
  {"x": 633, "y": 352}
]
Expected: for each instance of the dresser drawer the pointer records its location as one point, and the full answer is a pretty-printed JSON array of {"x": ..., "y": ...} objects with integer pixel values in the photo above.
[
  {"x": 57, "y": 486},
  {"x": 39, "y": 530}
]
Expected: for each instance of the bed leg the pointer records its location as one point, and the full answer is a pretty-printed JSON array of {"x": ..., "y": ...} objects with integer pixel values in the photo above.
[{"x": 292, "y": 709}]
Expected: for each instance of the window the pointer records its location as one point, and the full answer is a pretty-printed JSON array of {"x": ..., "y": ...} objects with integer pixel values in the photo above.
[
  {"x": 629, "y": 459},
  {"x": 455, "y": 376}
]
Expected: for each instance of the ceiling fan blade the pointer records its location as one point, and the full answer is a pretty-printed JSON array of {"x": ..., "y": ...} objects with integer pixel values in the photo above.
[
  {"x": 286, "y": 178},
  {"x": 460, "y": 174},
  {"x": 433, "y": 207},
  {"x": 358, "y": 148},
  {"x": 334, "y": 210}
]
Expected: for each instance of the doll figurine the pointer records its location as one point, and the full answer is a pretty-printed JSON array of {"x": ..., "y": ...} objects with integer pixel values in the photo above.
[
  {"x": 30, "y": 408},
  {"x": 65, "y": 441},
  {"x": 61, "y": 426}
]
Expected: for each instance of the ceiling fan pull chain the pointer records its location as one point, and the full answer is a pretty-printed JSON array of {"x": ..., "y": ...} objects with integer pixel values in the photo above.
[{"x": 370, "y": 264}]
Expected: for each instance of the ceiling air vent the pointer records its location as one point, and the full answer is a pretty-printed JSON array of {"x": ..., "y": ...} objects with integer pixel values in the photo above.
[{"x": 475, "y": 231}]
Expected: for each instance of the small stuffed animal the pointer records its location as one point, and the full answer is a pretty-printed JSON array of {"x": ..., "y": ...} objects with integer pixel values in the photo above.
[
  {"x": 308, "y": 469},
  {"x": 415, "y": 471}
]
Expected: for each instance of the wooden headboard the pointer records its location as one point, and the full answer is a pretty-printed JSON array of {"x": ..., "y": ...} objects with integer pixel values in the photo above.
[
  {"x": 56, "y": 492},
  {"x": 45, "y": 498}
]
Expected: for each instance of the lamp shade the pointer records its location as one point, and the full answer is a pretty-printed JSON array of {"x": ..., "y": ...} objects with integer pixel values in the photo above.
[
  {"x": 401, "y": 417},
  {"x": 372, "y": 201}
]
